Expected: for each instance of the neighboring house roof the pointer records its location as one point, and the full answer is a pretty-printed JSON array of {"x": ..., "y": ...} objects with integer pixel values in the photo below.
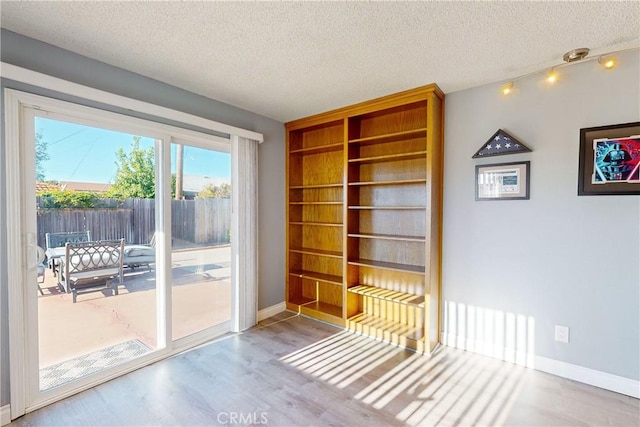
[
  {"x": 45, "y": 186},
  {"x": 91, "y": 187}
]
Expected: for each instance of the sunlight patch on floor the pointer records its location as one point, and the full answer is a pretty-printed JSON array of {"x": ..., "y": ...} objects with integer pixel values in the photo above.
[
  {"x": 342, "y": 358},
  {"x": 448, "y": 387}
]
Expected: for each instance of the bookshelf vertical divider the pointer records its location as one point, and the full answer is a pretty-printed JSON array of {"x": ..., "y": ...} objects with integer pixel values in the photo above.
[{"x": 364, "y": 215}]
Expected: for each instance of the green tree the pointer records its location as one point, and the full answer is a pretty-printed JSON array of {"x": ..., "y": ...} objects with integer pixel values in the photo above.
[
  {"x": 135, "y": 173},
  {"x": 42, "y": 155},
  {"x": 210, "y": 191},
  {"x": 66, "y": 199}
]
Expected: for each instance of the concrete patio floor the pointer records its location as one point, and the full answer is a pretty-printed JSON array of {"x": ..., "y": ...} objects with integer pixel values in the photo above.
[{"x": 201, "y": 298}]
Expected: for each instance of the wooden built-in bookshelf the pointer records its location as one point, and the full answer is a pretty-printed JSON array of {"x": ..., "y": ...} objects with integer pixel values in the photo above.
[{"x": 364, "y": 190}]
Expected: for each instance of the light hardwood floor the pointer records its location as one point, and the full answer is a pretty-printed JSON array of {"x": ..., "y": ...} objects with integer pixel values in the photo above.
[{"x": 294, "y": 371}]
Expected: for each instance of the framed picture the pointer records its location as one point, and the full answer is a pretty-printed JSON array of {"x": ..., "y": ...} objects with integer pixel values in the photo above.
[
  {"x": 609, "y": 160},
  {"x": 503, "y": 181}
]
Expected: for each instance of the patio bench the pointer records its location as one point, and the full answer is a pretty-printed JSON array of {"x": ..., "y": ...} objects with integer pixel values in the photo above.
[
  {"x": 58, "y": 240},
  {"x": 92, "y": 266}
]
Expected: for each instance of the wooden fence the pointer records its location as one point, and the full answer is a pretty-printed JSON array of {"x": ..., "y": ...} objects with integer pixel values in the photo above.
[{"x": 198, "y": 222}]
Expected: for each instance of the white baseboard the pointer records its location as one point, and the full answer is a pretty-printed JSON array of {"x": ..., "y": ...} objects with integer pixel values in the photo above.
[
  {"x": 570, "y": 371},
  {"x": 271, "y": 311},
  {"x": 5, "y": 415},
  {"x": 588, "y": 376}
]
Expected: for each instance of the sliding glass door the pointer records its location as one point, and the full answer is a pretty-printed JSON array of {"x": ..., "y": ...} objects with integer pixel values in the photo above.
[
  {"x": 126, "y": 231},
  {"x": 200, "y": 239}
]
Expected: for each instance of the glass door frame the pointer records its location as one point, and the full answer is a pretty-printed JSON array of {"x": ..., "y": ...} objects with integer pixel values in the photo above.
[{"x": 20, "y": 112}]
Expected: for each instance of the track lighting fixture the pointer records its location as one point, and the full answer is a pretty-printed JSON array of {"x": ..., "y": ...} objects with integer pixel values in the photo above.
[{"x": 580, "y": 55}]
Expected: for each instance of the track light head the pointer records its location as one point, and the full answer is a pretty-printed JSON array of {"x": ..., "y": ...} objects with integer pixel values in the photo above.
[
  {"x": 607, "y": 62},
  {"x": 507, "y": 88}
]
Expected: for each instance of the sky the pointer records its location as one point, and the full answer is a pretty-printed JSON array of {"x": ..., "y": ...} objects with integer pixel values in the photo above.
[{"x": 88, "y": 154}]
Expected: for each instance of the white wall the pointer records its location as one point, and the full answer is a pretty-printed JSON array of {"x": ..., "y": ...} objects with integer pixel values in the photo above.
[{"x": 514, "y": 269}]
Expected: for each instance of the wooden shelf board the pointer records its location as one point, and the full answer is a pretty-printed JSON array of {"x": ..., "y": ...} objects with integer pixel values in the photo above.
[
  {"x": 322, "y": 224},
  {"x": 317, "y": 310},
  {"x": 391, "y": 137},
  {"x": 301, "y": 301},
  {"x": 323, "y": 307},
  {"x": 390, "y": 157},
  {"x": 315, "y": 203},
  {"x": 388, "y": 237},
  {"x": 319, "y": 149},
  {"x": 396, "y": 182},
  {"x": 389, "y": 295},
  {"x": 319, "y": 252},
  {"x": 389, "y": 208},
  {"x": 388, "y": 330},
  {"x": 314, "y": 186},
  {"x": 388, "y": 265},
  {"x": 321, "y": 277}
]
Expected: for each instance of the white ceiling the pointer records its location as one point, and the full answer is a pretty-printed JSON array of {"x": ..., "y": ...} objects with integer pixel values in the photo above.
[{"x": 287, "y": 60}]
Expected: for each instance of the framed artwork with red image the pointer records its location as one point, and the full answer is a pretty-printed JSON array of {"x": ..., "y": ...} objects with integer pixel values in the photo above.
[{"x": 610, "y": 160}]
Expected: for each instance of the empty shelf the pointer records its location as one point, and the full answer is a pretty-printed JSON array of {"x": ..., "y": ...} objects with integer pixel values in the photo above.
[
  {"x": 314, "y": 186},
  {"x": 322, "y": 307},
  {"x": 319, "y": 252},
  {"x": 388, "y": 265},
  {"x": 315, "y": 203},
  {"x": 322, "y": 224},
  {"x": 395, "y": 182},
  {"x": 390, "y": 157},
  {"x": 318, "y": 149},
  {"x": 321, "y": 277},
  {"x": 391, "y": 137},
  {"x": 389, "y": 295},
  {"x": 388, "y": 237},
  {"x": 387, "y": 330},
  {"x": 389, "y": 208}
]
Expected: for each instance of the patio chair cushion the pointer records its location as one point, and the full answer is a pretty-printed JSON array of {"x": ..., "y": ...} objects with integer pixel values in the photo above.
[
  {"x": 137, "y": 255},
  {"x": 85, "y": 277},
  {"x": 132, "y": 251}
]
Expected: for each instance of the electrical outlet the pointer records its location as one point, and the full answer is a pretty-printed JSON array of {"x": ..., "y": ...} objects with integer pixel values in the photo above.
[{"x": 562, "y": 334}]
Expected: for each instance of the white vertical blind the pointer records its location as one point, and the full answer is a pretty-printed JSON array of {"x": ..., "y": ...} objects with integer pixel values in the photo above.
[{"x": 244, "y": 230}]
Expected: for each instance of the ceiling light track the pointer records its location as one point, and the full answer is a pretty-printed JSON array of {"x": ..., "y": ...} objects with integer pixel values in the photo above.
[{"x": 607, "y": 60}]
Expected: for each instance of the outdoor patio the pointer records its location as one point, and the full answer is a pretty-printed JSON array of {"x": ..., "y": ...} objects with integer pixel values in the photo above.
[{"x": 201, "y": 298}]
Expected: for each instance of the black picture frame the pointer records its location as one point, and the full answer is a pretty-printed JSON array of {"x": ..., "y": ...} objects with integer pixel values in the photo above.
[
  {"x": 491, "y": 185},
  {"x": 586, "y": 170}
]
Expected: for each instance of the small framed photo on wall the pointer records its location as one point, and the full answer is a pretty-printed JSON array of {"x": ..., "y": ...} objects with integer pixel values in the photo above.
[
  {"x": 503, "y": 181},
  {"x": 609, "y": 160}
]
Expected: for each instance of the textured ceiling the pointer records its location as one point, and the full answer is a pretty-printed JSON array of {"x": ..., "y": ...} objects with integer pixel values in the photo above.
[{"x": 287, "y": 60}]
